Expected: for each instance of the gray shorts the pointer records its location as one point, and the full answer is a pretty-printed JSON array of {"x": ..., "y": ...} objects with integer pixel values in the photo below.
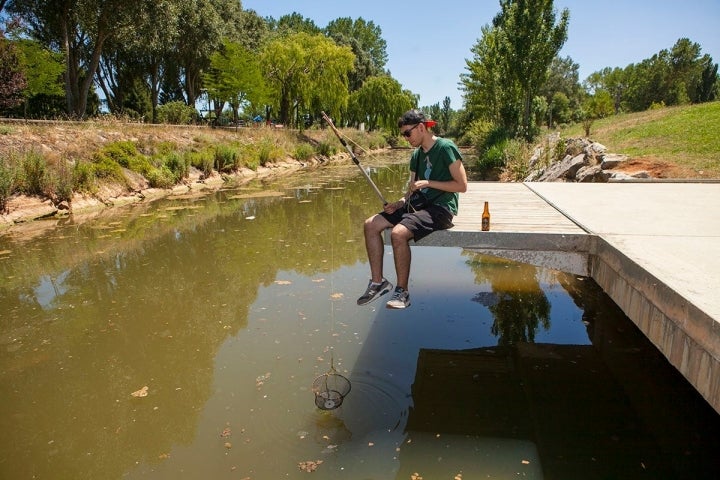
[{"x": 423, "y": 222}]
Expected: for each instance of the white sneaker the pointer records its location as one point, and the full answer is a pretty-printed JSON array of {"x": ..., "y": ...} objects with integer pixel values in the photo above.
[{"x": 400, "y": 299}]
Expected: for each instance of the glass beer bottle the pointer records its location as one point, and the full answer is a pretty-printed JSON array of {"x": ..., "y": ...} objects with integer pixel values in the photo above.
[{"x": 486, "y": 218}]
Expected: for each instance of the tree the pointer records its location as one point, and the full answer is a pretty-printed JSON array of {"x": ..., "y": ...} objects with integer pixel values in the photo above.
[
  {"x": 490, "y": 95},
  {"x": 44, "y": 70},
  {"x": 380, "y": 102},
  {"x": 12, "y": 78},
  {"x": 141, "y": 57},
  {"x": 528, "y": 40},
  {"x": 79, "y": 29},
  {"x": 562, "y": 78},
  {"x": 445, "y": 116},
  {"x": 234, "y": 77},
  {"x": 307, "y": 71},
  {"x": 614, "y": 81},
  {"x": 365, "y": 40},
  {"x": 293, "y": 23},
  {"x": 203, "y": 26}
]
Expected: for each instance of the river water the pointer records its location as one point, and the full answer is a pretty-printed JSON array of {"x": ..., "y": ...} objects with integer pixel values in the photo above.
[{"x": 181, "y": 339}]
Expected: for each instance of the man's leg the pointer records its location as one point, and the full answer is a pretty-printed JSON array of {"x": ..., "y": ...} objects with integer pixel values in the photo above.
[
  {"x": 375, "y": 246},
  {"x": 400, "y": 239}
]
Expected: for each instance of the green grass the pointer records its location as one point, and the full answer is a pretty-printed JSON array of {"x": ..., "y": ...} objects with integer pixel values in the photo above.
[{"x": 686, "y": 136}]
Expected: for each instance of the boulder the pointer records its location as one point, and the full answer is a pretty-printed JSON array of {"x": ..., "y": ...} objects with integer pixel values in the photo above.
[
  {"x": 564, "y": 170},
  {"x": 612, "y": 160}
]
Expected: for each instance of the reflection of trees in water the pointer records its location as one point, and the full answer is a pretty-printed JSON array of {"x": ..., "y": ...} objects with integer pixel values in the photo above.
[{"x": 518, "y": 304}]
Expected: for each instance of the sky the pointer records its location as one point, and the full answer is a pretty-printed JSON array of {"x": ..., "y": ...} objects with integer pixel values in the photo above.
[{"x": 429, "y": 42}]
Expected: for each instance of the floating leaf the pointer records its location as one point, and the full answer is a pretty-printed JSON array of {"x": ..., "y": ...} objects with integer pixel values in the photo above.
[
  {"x": 226, "y": 432},
  {"x": 143, "y": 392},
  {"x": 309, "y": 465}
]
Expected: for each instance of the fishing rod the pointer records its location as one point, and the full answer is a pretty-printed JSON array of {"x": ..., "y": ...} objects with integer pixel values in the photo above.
[{"x": 354, "y": 158}]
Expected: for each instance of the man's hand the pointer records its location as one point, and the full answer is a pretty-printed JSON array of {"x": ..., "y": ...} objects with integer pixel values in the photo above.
[{"x": 391, "y": 208}]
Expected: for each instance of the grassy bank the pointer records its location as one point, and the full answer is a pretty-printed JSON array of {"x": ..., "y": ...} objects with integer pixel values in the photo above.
[
  {"x": 686, "y": 136},
  {"x": 60, "y": 159}
]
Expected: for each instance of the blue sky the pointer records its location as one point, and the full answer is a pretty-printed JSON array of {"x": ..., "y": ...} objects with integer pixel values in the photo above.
[{"x": 428, "y": 42}]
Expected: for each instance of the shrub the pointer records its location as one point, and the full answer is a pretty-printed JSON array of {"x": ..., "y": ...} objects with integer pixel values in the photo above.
[
  {"x": 60, "y": 186},
  {"x": 326, "y": 149},
  {"x": 161, "y": 177},
  {"x": 226, "y": 158},
  {"x": 493, "y": 158},
  {"x": 122, "y": 152},
  {"x": 7, "y": 183},
  {"x": 304, "y": 151},
  {"x": 106, "y": 167},
  {"x": 176, "y": 113},
  {"x": 268, "y": 152},
  {"x": 178, "y": 164},
  {"x": 203, "y": 161},
  {"x": 517, "y": 159},
  {"x": 33, "y": 174},
  {"x": 83, "y": 175}
]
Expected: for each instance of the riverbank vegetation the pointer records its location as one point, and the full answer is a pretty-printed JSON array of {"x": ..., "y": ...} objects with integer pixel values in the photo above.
[{"x": 57, "y": 160}]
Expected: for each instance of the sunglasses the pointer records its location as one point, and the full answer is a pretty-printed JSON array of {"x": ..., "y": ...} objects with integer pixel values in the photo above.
[{"x": 408, "y": 132}]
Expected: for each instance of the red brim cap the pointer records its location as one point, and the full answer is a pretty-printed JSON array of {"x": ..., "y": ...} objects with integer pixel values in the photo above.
[{"x": 430, "y": 123}]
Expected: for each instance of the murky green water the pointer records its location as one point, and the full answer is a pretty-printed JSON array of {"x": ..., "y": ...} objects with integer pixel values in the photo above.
[{"x": 180, "y": 339}]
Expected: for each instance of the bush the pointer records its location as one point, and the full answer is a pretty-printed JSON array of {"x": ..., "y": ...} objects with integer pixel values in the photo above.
[
  {"x": 33, "y": 174},
  {"x": 269, "y": 152},
  {"x": 326, "y": 149},
  {"x": 304, "y": 151},
  {"x": 106, "y": 167},
  {"x": 517, "y": 159},
  {"x": 176, "y": 113},
  {"x": 122, "y": 152},
  {"x": 83, "y": 177},
  {"x": 493, "y": 158},
  {"x": 60, "y": 185},
  {"x": 161, "y": 177},
  {"x": 226, "y": 158},
  {"x": 203, "y": 161},
  {"x": 178, "y": 164},
  {"x": 7, "y": 183}
]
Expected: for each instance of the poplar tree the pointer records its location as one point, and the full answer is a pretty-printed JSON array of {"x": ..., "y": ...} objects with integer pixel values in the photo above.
[{"x": 528, "y": 40}]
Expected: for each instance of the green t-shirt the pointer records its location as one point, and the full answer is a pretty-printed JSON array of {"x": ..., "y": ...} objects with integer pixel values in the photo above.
[{"x": 435, "y": 165}]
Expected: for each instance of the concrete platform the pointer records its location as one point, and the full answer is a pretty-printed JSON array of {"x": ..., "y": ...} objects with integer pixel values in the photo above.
[{"x": 653, "y": 247}]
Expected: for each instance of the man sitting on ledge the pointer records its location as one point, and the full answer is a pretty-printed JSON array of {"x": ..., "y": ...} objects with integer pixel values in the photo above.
[{"x": 437, "y": 177}]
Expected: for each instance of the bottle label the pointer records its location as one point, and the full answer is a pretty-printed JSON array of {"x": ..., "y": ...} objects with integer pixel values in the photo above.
[{"x": 485, "y": 224}]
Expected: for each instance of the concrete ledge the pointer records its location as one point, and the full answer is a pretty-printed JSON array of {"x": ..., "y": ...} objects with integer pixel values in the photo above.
[
  {"x": 688, "y": 337},
  {"x": 565, "y": 252}
]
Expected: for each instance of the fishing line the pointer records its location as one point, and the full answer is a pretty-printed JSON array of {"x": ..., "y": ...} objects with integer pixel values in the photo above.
[{"x": 331, "y": 388}]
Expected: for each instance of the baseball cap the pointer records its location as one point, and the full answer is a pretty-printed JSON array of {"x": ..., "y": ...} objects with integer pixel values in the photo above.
[{"x": 413, "y": 117}]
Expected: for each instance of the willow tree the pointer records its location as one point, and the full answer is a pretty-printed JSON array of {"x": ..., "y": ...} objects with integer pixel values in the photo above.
[
  {"x": 528, "y": 40},
  {"x": 306, "y": 71},
  {"x": 380, "y": 102}
]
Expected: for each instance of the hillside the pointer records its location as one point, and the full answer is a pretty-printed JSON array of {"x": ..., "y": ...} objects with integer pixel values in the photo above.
[{"x": 672, "y": 142}]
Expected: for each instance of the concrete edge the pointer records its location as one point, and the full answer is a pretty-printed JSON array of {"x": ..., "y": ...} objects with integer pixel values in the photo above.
[{"x": 687, "y": 336}]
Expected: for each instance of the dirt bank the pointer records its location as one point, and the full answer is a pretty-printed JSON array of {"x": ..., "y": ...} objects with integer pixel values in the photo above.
[{"x": 73, "y": 141}]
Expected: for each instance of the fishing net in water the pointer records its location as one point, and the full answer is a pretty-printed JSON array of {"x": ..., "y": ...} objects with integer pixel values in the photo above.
[{"x": 330, "y": 389}]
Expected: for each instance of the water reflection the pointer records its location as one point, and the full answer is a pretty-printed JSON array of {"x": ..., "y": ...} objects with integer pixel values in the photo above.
[
  {"x": 518, "y": 313},
  {"x": 226, "y": 307}
]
